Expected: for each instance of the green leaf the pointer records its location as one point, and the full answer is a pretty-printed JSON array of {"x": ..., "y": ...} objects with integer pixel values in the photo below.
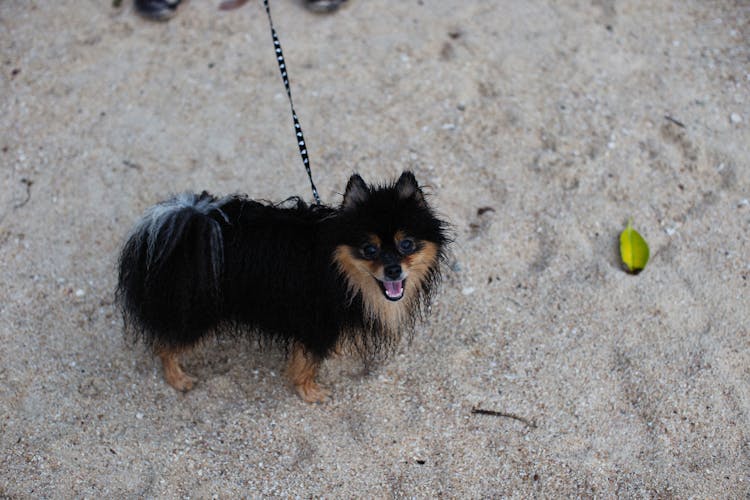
[{"x": 633, "y": 249}]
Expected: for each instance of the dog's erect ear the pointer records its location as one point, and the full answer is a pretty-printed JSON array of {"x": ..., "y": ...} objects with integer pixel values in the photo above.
[
  {"x": 356, "y": 192},
  {"x": 407, "y": 187}
]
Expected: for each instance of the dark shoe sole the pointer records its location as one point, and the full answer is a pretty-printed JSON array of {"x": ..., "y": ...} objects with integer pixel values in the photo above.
[
  {"x": 323, "y": 5},
  {"x": 157, "y": 10}
]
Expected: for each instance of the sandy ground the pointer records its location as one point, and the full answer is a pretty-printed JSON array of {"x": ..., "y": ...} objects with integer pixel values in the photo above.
[{"x": 551, "y": 113}]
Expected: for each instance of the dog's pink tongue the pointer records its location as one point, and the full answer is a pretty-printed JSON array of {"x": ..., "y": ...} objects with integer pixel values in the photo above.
[{"x": 394, "y": 288}]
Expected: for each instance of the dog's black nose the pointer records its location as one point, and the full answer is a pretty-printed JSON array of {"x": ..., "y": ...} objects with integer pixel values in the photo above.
[{"x": 393, "y": 271}]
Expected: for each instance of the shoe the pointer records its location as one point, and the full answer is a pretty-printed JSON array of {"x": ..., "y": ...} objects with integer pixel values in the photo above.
[
  {"x": 323, "y": 5},
  {"x": 157, "y": 10}
]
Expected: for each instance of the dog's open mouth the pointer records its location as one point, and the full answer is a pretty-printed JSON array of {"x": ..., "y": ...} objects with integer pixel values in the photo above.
[{"x": 393, "y": 290}]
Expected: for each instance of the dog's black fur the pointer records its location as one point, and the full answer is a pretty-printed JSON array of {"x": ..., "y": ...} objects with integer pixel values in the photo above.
[{"x": 196, "y": 264}]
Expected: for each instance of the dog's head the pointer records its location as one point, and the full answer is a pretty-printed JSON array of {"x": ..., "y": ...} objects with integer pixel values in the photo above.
[{"x": 392, "y": 247}]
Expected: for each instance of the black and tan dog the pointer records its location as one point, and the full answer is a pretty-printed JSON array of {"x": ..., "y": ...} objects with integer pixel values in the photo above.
[{"x": 314, "y": 278}]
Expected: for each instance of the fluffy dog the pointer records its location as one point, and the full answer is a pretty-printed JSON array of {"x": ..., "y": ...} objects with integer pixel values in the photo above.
[{"x": 314, "y": 278}]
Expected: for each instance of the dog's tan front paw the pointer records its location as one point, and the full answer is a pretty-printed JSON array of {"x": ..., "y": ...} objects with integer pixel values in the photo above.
[
  {"x": 311, "y": 392},
  {"x": 181, "y": 381}
]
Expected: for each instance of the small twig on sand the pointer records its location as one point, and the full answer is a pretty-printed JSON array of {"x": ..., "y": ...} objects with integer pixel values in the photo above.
[
  {"x": 675, "y": 121},
  {"x": 27, "y": 183},
  {"x": 494, "y": 413},
  {"x": 131, "y": 164},
  {"x": 231, "y": 4}
]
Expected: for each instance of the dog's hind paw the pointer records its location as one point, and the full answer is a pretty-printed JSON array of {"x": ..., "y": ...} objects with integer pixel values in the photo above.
[{"x": 174, "y": 374}]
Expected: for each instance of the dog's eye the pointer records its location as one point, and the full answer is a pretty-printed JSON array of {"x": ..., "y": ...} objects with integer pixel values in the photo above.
[
  {"x": 369, "y": 251},
  {"x": 406, "y": 246}
]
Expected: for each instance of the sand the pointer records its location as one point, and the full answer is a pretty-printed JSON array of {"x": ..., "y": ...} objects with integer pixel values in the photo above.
[{"x": 558, "y": 121}]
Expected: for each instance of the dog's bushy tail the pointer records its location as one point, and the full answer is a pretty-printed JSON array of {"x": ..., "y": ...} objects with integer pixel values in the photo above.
[{"x": 170, "y": 270}]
